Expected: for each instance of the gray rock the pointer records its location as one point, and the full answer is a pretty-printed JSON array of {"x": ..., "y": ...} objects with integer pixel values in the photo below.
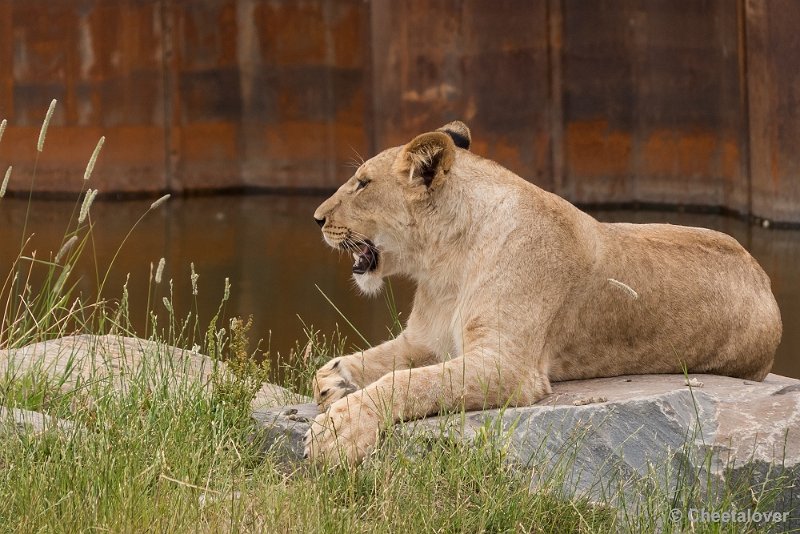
[
  {"x": 26, "y": 421},
  {"x": 608, "y": 437},
  {"x": 70, "y": 360},
  {"x": 274, "y": 396},
  {"x": 281, "y": 430},
  {"x": 115, "y": 359}
]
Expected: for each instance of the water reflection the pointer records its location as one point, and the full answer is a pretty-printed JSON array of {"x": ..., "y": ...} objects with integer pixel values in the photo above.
[{"x": 272, "y": 252}]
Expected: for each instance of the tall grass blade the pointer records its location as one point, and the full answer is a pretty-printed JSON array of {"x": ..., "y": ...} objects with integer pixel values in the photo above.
[{"x": 343, "y": 316}]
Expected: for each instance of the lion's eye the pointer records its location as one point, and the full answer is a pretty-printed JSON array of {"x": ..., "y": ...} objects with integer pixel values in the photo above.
[{"x": 361, "y": 184}]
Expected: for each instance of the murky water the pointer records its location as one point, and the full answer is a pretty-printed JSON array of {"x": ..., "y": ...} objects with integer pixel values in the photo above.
[{"x": 273, "y": 254}]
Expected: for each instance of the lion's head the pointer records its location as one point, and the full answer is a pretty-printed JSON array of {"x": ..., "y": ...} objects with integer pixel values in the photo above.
[{"x": 375, "y": 215}]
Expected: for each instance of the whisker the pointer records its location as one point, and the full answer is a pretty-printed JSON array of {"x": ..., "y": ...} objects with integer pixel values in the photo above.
[
  {"x": 359, "y": 235},
  {"x": 358, "y": 156}
]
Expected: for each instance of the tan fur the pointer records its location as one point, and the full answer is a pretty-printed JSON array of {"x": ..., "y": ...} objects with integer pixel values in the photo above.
[{"x": 516, "y": 287}]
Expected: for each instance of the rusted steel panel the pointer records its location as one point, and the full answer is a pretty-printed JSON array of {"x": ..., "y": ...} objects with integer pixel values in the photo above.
[
  {"x": 315, "y": 87},
  {"x": 269, "y": 94},
  {"x": 204, "y": 108},
  {"x": 774, "y": 94},
  {"x": 653, "y": 107},
  {"x": 100, "y": 60},
  {"x": 483, "y": 62}
]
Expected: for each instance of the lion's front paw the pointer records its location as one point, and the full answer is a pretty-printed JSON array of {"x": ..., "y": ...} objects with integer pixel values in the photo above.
[
  {"x": 332, "y": 382},
  {"x": 344, "y": 434}
]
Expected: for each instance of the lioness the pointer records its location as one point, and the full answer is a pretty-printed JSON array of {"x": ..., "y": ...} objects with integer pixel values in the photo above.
[{"x": 516, "y": 287}]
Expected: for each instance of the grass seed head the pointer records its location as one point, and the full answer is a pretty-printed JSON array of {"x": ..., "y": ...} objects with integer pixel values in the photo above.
[
  {"x": 93, "y": 159},
  {"x": 160, "y": 201},
  {"x": 194, "y": 278},
  {"x": 45, "y": 124},
  {"x": 87, "y": 203},
  {"x": 160, "y": 270},
  {"x": 65, "y": 248},
  {"x": 5, "y": 182}
]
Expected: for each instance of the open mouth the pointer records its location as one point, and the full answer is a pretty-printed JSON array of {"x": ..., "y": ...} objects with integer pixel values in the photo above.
[{"x": 365, "y": 256}]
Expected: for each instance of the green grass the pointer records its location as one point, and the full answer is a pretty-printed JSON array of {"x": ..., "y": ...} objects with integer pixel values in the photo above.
[
  {"x": 180, "y": 460},
  {"x": 167, "y": 457}
]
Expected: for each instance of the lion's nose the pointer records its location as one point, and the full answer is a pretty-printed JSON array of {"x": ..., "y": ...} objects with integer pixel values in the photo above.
[{"x": 320, "y": 222}]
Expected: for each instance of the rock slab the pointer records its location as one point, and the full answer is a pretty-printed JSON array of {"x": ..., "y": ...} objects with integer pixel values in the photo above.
[
  {"x": 26, "y": 421},
  {"x": 115, "y": 358},
  {"x": 621, "y": 434},
  {"x": 72, "y": 359}
]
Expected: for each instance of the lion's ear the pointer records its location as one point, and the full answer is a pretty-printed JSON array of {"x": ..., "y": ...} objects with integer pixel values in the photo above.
[
  {"x": 458, "y": 132},
  {"x": 427, "y": 157}
]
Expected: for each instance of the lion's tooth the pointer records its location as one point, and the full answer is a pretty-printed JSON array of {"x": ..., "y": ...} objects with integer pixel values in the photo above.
[{"x": 355, "y": 256}]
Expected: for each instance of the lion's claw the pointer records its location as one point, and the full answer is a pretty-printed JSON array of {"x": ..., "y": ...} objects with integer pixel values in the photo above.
[{"x": 333, "y": 382}]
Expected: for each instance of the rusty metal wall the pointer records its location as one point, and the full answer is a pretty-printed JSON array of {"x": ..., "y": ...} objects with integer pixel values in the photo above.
[
  {"x": 190, "y": 95},
  {"x": 101, "y": 60},
  {"x": 266, "y": 93},
  {"x": 654, "y": 110},
  {"x": 773, "y": 84},
  {"x": 670, "y": 101},
  {"x": 483, "y": 62}
]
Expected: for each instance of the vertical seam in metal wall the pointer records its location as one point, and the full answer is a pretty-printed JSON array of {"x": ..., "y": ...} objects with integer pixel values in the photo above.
[
  {"x": 372, "y": 138},
  {"x": 554, "y": 9},
  {"x": 745, "y": 88},
  {"x": 369, "y": 83},
  {"x": 329, "y": 167},
  {"x": 550, "y": 95},
  {"x": 166, "y": 48}
]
